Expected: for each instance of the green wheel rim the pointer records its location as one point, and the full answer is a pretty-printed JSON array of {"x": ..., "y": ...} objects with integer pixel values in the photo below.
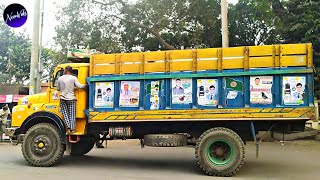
[{"x": 219, "y": 152}]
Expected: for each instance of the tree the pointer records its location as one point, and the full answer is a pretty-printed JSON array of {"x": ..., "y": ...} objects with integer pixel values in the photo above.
[
  {"x": 80, "y": 28},
  {"x": 300, "y": 21},
  {"x": 166, "y": 24},
  {"x": 15, "y": 55},
  {"x": 301, "y": 24},
  {"x": 253, "y": 23},
  {"x": 50, "y": 59}
]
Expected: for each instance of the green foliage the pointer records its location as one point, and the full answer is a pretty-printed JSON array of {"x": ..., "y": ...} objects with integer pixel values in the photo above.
[
  {"x": 50, "y": 59},
  {"x": 191, "y": 24},
  {"x": 301, "y": 24},
  {"x": 253, "y": 23},
  {"x": 15, "y": 55},
  {"x": 80, "y": 27},
  {"x": 151, "y": 23}
]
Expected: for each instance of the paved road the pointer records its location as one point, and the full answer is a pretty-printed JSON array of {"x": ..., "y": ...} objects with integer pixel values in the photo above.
[{"x": 126, "y": 160}]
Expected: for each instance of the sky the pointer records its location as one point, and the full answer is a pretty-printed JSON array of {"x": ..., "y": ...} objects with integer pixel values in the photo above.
[{"x": 49, "y": 21}]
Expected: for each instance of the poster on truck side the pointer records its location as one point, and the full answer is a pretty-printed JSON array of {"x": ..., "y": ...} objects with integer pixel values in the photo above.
[
  {"x": 207, "y": 92},
  {"x": 129, "y": 94},
  {"x": 260, "y": 89},
  {"x": 104, "y": 95},
  {"x": 154, "y": 95},
  {"x": 293, "y": 88},
  {"x": 181, "y": 91}
]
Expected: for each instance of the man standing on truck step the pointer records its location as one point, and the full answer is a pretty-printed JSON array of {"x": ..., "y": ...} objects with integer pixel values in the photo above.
[{"x": 66, "y": 84}]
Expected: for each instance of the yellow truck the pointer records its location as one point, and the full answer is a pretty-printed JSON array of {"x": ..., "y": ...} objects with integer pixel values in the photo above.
[{"x": 220, "y": 96}]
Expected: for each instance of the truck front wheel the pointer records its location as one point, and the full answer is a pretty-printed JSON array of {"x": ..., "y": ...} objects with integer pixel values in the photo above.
[
  {"x": 220, "y": 152},
  {"x": 42, "y": 145}
]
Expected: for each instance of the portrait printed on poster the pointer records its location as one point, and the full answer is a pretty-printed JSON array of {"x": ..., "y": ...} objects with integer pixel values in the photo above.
[
  {"x": 207, "y": 92},
  {"x": 104, "y": 94},
  {"x": 181, "y": 91},
  {"x": 293, "y": 90},
  {"x": 154, "y": 97},
  {"x": 260, "y": 89},
  {"x": 129, "y": 94}
]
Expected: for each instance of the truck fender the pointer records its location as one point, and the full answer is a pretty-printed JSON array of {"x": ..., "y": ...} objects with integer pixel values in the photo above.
[{"x": 44, "y": 117}]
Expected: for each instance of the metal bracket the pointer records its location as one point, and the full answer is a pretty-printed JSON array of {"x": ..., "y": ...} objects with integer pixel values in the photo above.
[
  {"x": 255, "y": 139},
  {"x": 142, "y": 143},
  {"x": 71, "y": 139}
]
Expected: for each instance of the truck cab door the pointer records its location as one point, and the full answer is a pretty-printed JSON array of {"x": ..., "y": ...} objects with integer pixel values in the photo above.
[{"x": 55, "y": 94}]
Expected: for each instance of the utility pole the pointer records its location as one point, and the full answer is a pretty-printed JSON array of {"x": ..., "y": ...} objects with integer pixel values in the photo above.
[
  {"x": 224, "y": 23},
  {"x": 35, "y": 48},
  {"x": 40, "y": 63}
]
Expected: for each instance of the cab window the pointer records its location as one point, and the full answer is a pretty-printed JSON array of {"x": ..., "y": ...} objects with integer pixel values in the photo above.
[
  {"x": 60, "y": 73},
  {"x": 55, "y": 80}
]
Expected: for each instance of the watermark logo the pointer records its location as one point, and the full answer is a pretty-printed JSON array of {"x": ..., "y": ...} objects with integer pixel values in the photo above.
[{"x": 15, "y": 15}]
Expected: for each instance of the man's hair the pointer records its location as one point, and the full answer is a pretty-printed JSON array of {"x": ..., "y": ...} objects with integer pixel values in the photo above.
[
  {"x": 108, "y": 89},
  {"x": 299, "y": 84},
  {"x": 178, "y": 79},
  {"x": 5, "y": 108},
  {"x": 257, "y": 78},
  {"x": 68, "y": 69},
  {"x": 212, "y": 86}
]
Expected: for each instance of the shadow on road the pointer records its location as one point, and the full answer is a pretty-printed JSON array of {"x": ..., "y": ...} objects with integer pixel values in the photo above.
[{"x": 181, "y": 165}]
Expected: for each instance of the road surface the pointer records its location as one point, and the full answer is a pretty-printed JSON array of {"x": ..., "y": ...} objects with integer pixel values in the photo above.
[{"x": 126, "y": 160}]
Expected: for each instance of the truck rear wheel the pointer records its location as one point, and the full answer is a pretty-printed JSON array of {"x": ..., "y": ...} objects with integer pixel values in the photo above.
[
  {"x": 165, "y": 140},
  {"x": 82, "y": 147},
  {"x": 220, "y": 152},
  {"x": 42, "y": 146}
]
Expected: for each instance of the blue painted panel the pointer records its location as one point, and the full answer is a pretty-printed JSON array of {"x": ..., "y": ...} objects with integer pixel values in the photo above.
[
  {"x": 233, "y": 90},
  {"x": 229, "y": 94},
  {"x": 161, "y": 94}
]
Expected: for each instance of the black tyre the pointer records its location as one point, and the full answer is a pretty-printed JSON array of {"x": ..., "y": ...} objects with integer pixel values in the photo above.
[
  {"x": 220, "y": 152},
  {"x": 82, "y": 147},
  {"x": 42, "y": 146},
  {"x": 165, "y": 140}
]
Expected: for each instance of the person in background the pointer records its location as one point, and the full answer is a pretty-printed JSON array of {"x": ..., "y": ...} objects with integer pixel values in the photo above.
[
  {"x": 66, "y": 84},
  {"x": 4, "y": 112}
]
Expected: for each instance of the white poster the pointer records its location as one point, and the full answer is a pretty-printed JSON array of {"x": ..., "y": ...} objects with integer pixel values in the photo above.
[
  {"x": 104, "y": 94},
  {"x": 293, "y": 90},
  {"x": 154, "y": 97},
  {"x": 181, "y": 91},
  {"x": 260, "y": 89},
  {"x": 130, "y": 92},
  {"x": 207, "y": 92}
]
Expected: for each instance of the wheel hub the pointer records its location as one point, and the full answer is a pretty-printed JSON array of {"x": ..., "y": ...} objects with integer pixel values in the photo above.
[
  {"x": 219, "y": 152},
  {"x": 41, "y": 145}
]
